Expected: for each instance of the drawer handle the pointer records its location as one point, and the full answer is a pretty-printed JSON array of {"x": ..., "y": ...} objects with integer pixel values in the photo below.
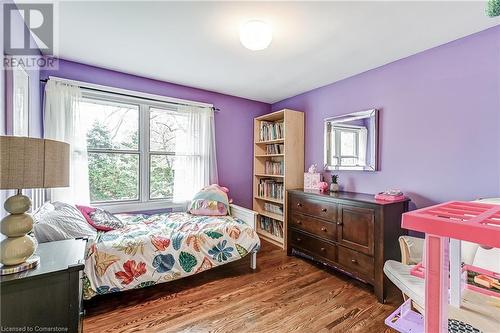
[
  {"x": 299, "y": 239},
  {"x": 339, "y": 223},
  {"x": 298, "y": 222},
  {"x": 323, "y": 229},
  {"x": 354, "y": 261},
  {"x": 324, "y": 210},
  {"x": 323, "y": 249},
  {"x": 299, "y": 204}
]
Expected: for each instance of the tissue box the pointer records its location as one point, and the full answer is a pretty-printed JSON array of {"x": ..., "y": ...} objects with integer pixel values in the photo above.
[{"x": 311, "y": 180}]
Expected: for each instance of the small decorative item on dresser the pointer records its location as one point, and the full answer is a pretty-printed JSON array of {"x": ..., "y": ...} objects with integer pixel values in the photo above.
[
  {"x": 334, "y": 186},
  {"x": 323, "y": 187},
  {"x": 390, "y": 195},
  {"x": 312, "y": 178}
]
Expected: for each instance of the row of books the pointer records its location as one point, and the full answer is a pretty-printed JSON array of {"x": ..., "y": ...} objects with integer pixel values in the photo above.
[
  {"x": 275, "y": 168},
  {"x": 273, "y": 208},
  {"x": 271, "y": 130},
  {"x": 272, "y": 226},
  {"x": 270, "y": 188},
  {"x": 275, "y": 149}
]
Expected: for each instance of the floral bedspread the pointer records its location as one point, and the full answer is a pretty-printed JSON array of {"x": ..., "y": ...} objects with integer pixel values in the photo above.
[{"x": 163, "y": 247}]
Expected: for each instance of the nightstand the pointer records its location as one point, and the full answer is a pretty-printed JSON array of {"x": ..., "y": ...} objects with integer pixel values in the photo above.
[{"x": 48, "y": 297}]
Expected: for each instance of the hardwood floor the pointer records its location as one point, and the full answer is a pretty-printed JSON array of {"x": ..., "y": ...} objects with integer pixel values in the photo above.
[{"x": 284, "y": 294}]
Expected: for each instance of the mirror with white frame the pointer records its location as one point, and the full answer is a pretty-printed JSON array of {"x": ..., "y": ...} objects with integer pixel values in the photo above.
[{"x": 351, "y": 141}]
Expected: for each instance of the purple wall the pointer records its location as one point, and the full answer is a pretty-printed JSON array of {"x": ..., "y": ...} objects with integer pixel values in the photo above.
[
  {"x": 233, "y": 124},
  {"x": 440, "y": 120}
]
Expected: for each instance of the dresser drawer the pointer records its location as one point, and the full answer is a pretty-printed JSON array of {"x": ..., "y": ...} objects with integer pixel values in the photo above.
[
  {"x": 356, "y": 262},
  {"x": 313, "y": 225},
  {"x": 313, "y": 245},
  {"x": 316, "y": 208}
]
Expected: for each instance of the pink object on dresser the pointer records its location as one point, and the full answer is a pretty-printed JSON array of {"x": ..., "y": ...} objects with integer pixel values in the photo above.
[
  {"x": 387, "y": 197},
  {"x": 323, "y": 187}
]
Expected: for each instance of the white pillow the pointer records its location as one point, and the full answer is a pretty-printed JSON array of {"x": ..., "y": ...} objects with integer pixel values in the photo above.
[
  {"x": 44, "y": 209},
  {"x": 487, "y": 259},
  {"x": 64, "y": 221}
]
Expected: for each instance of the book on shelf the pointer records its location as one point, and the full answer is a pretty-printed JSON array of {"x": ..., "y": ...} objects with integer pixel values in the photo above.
[
  {"x": 271, "y": 130},
  {"x": 275, "y": 148},
  {"x": 271, "y": 188},
  {"x": 272, "y": 226},
  {"x": 274, "y": 167},
  {"x": 273, "y": 208}
]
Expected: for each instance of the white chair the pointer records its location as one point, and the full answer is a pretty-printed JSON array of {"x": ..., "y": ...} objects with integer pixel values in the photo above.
[{"x": 412, "y": 252}]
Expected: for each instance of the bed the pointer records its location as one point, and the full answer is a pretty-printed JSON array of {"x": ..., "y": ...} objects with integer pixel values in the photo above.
[{"x": 153, "y": 249}]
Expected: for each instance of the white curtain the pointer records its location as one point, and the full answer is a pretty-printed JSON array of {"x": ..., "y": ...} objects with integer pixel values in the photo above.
[
  {"x": 362, "y": 146},
  {"x": 62, "y": 122},
  {"x": 195, "y": 163}
]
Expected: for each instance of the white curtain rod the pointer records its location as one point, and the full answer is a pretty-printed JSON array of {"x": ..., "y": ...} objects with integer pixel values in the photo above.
[{"x": 131, "y": 93}]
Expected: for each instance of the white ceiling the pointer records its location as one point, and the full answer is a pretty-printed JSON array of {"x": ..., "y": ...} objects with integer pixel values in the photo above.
[{"x": 315, "y": 43}]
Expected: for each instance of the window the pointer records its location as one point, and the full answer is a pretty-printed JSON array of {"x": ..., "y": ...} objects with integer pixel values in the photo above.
[
  {"x": 165, "y": 128},
  {"x": 345, "y": 150},
  {"x": 132, "y": 146}
]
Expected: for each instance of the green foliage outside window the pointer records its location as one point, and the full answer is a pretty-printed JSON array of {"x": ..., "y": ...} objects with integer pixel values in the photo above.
[
  {"x": 112, "y": 176},
  {"x": 115, "y": 176},
  {"x": 493, "y": 8}
]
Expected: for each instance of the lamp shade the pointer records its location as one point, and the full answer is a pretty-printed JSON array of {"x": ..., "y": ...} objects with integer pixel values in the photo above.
[{"x": 33, "y": 163}]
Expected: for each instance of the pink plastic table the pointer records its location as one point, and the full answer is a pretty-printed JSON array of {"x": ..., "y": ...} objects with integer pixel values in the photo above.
[{"x": 469, "y": 221}]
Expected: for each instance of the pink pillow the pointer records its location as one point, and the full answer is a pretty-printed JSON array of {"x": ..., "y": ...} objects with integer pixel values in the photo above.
[{"x": 100, "y": 219}]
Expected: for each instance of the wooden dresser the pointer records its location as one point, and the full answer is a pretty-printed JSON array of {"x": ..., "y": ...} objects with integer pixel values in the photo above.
[{"x": 351, "y": 232}]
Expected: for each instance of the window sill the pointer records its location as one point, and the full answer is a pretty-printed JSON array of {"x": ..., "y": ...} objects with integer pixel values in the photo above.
[{"x": 129, "y": 207}]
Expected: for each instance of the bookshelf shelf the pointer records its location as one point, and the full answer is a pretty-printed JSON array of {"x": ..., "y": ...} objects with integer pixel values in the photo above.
[
  {"x": 270, "y": 155},
  {"x": 277, "y": 240},
  {"x": 268, "y": 142},
  {"x": 269, "y": 176},
  {"x": 273, "y": 152},
  {"x": 269, "y": 199},
  {"x": 272, "y": 215}
]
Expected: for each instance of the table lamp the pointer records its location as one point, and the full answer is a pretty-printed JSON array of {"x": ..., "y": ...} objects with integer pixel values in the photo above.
[{"x": 26, "y": 163}]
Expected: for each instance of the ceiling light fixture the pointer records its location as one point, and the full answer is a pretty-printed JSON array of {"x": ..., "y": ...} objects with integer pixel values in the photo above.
[{"x": 256, "y": 35}]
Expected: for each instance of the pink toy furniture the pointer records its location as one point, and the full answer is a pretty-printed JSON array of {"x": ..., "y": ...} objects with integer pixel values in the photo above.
[{"x": 445, "y": 225}]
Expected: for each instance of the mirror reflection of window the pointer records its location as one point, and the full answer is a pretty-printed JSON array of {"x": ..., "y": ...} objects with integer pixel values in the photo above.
[
  {"x": 349, "y": 145},
  {"x": 350, "y": 141}
]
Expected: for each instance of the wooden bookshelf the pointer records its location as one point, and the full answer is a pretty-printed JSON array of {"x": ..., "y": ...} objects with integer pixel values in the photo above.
[{"x": 292, "y": 177}]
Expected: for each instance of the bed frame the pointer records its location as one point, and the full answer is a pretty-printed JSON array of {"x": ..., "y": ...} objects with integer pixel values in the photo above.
[{"x": 250, "y": 218}]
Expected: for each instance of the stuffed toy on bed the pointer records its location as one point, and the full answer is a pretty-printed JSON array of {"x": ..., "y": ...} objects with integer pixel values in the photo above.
[{"x": 212, "y": 200}]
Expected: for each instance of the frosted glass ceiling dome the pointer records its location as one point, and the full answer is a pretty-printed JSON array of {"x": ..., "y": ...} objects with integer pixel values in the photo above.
[{"x": 256, "y": 35}]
